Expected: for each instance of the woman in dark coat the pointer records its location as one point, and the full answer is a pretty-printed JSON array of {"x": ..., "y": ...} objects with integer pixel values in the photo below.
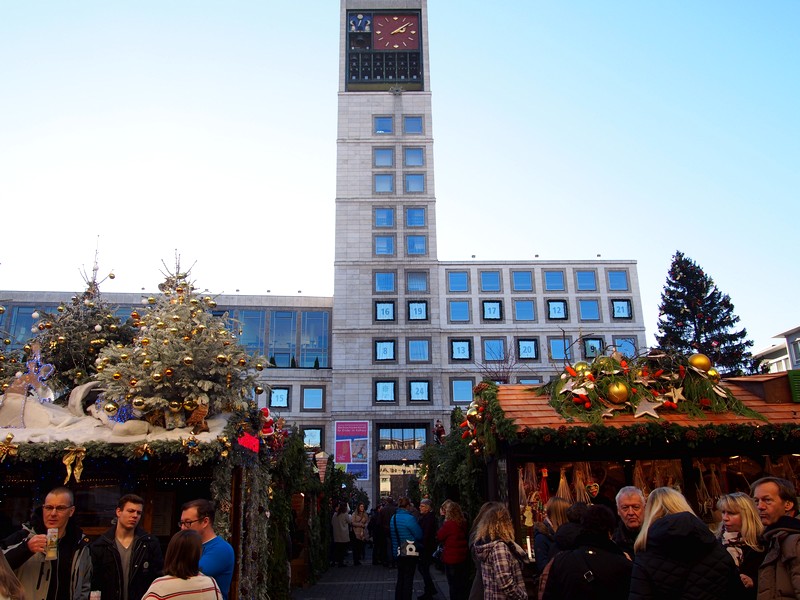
[
  {"x": 677, "y": 557},
  {"x": 596, "y": 568}
]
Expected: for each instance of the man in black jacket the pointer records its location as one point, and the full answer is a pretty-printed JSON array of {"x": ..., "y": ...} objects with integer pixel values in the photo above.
[
  {"x": 427, "y": 522},
  {"x": 630, "y": 509},
  {"x": 779, "y": 574},
  {"x": 126, "y": 559}
]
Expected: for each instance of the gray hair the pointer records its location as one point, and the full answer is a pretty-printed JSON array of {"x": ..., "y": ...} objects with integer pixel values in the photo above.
[
  {"x": 629, "y": 490},
  {"x": 426, "y": 502}
]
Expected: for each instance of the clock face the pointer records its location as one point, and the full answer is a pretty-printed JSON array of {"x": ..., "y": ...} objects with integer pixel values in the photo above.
[{"x": 396, "y": 32}]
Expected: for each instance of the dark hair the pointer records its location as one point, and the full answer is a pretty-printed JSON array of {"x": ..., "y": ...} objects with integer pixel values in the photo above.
[
  {"x": 576, "y": 511},
  {"x": 183, "y": 554},
  {"x": 786, "y": 490},
  {"x": 598, "y": 520},
  {"x": 63, "y": 490},
  {"x": 205, "y": 508},
  {"x": 130, "y": 498},
  {"x": 403, "y": 502}
]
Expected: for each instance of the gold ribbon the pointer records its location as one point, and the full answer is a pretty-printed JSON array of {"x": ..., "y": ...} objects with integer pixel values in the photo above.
[
  {"x": 7, "y": 448},
  {"x": 143, "y": 451},
  {"x": 74, "y": 456}
]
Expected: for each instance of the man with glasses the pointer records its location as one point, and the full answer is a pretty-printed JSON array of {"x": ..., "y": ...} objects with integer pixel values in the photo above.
[
  {"x": 126, "y": 559},
  {"x": 217, "y": 559},
  {"x": 65, "y": 574}
]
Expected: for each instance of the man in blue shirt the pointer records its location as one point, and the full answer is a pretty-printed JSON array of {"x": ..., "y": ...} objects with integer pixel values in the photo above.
[{"x": 218, "y": 559}]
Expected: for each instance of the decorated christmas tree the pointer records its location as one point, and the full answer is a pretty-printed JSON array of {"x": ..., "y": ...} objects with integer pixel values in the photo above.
[
  {"x": 73, "y": 336},
  {"x": 696, "y": 317},
  {"x": 183, "y": 365}
]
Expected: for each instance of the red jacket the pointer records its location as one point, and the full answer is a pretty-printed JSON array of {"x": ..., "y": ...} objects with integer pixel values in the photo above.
[{"x": 453, "y": 537}]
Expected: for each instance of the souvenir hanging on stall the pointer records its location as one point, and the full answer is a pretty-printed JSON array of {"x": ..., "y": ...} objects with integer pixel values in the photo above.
[{"x": 563, "y": 487}]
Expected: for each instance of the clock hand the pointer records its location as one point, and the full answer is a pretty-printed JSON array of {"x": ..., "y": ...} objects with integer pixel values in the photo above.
[{"x": 401, "y": 29}]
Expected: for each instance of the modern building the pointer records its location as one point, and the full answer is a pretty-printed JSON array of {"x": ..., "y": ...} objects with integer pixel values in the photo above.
[
  {"x": 406, "y": 336},
  {"x": 783, "y": 356}
]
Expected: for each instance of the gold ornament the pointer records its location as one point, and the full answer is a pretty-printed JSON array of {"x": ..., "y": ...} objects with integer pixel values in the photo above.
[
  {"x": 74, "y": 456},
  {"x": 112, "y": 276},
  {"x": 259, "y": 390},
  {"x": 138, "y": 403},
  {"x": 111, "y": 408},
  {"x": 157, "y": 377},
  {"x": 147, "y": 362},
  {"x": 133, "y": 381},
  {"x": 8, "y": 448},
  {"x": 222, "y": 359},
  {"x": 617, "y": 392},
  {"x": 713, "y": 375},
  {"x": 190, "y": 404},
  {"x": 259, "y": 367},
  {"x": 124, "y": 356},
  {"x": 581, "y": 365},
  {"x": 151, "y": 300},
  {"x": 175, "y": 406},
  {"x": 135, "y": 315},
  {"x": 188, "y": 360},
  {"x": 117, "y": 376},
  {"x": 242, "y": 362},
  {"x": 169, "y": 372},
  {"x": 700, "y": 361},
  {"x": 161, "y": 324},
  {"x": 173, "y": 330}
]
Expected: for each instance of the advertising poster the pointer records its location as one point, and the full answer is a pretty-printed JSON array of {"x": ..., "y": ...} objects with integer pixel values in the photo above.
[{"x": 352, "y": 447}]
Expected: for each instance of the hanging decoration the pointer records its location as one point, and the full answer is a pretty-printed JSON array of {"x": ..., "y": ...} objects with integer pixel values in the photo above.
[
  {"x": 73, "y": 461},
  {"x": 8, "y": 448}
]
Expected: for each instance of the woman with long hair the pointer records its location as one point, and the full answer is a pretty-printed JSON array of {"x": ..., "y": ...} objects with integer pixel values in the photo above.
[
  {"x": 500, "y": 558},
  {"x": 453, "y": 537},
  {"x": 739, "y": 532},
  {"x": 359, "y": 519},
  {"x": 182, "y": 575},
  {"x": 677, "y": 556},
  {"x": 544, "y": 533},
  {"x": 10, "y": 587}
]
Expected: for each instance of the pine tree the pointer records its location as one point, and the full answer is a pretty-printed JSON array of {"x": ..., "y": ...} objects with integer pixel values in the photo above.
[
  {"x": 694, "y": 316},
  {"x": 183, "y": 365},
  {"x": 73, "y": 336}
]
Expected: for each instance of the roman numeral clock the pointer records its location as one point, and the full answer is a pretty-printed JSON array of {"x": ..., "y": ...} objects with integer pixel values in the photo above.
[{"x": 384, "y": 50}]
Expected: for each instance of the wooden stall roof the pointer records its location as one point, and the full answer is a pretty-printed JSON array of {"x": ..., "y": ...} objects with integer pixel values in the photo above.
[{"x": 527, "y": 409}]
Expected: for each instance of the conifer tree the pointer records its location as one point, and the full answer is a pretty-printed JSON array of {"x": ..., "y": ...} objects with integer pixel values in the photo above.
[
  {"x": 694, "y": 316},
  {"x": 183, "y": 365},
  {"x": 72, "y": 337}
]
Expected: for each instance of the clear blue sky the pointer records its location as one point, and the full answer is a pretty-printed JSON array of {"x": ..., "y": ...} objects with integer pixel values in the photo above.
[{"x": 625, "y": 129}]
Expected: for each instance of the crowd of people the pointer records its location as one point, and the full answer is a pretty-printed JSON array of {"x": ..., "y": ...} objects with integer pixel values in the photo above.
[
  {"x": 50, "y": 558},
  {"x": 653, "y": 548}
]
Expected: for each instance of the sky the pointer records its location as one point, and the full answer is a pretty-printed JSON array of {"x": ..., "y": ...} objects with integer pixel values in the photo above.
[{"x": 141, "y": 130}]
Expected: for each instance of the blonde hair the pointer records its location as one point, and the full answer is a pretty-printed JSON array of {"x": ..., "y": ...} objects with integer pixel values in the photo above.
[
  {"x": 739, "y": 503},
  {"x": 10, "y": 587},
  {"x": 556, "y": 509},
  {"x": 452, "y": 512},
  {"x": 494, "y": 524},
  {"x": 661, "y": 502}
]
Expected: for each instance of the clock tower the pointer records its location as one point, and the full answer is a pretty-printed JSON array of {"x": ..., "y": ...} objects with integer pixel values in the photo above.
[{"x": 386, "y": 314}]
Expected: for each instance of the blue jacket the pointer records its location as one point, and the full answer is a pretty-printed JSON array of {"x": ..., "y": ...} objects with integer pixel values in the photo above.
[{"x": 404, "y": 523}]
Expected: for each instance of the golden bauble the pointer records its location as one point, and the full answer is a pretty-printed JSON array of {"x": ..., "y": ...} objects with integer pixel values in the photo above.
[
  {"x": 3, "y": 309},
  {"x": 135, "y": 315},
  {"x": 157, "y": 377},
  {"x": 48, "y": 325},
  {"x": 175, "y": 406},
  {"x": 161, "y": 324},
  {"x": 173, "y": 330},
  {"x": 581, "y": 365},
  {"x": 78, "y": 374},
  {"x": 151, "y": 300},
  {"x": 176, "y": 318},
  {"x": 61, "y": 339},
  {"x": 713, "y": 375},
  {"x": 147, "y": 362},
  {"x": 169, "y": 372},
  {"x": 188, "y": 360},
  {"x": 117, "y": 376},
  {"x": 617, "y": 392},
  {"x": 112, "y": 276},
  {"x": 41, "y": 326},
  {"x": 138, "y": 403},
  {"x": 194, "y": 302},
  {"x": 242, "y": 362},
  {"x": 259, "y": 367},
  {"x": 26, "y": 348},
  {"x": 222, "y": 359},
  {"x": 124, "y": 356},
  {"x": 259, "y": 390},
  {"x": 59, "y": 309},
  {"x": 112, "y": 327},
  {"x": 187, "y": 338},
  {"x": 7, "y": 341},
  {"x": 212, "y": 304},
  {"x": 700, "y": 361},
  {"x": 190, "y": 404},
  {"x": 133, "y": 381},
  {"x": 110, "y": 408},
  {"x": 100, "y": 368}
]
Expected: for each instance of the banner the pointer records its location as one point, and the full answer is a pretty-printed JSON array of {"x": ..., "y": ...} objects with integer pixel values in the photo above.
[{"x": 351, "y": 447}]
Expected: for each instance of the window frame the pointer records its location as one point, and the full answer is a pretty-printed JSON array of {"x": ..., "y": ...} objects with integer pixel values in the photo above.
[
  {"x": 450, "y": 304},
  {"x": 514, "y": 287},
  {"x": 321, "y": 431},
  {"x": 376, "y": 130},
  {"x": 596, "y": 302},
  {"x": 416, "y": 178},
  {"x": 423, "y": 319},
  {"x": 454, "y": 343},
  {"x": 377, "y": 384},
  {"x": 489, "y": 305},
  {"x": 408, "y": 210},
  {"x": 288, "y": 390},
  {"x": 427, "y": 384},
  {"x": 534, "y": 341},
  {"x": 386, "y": 151},
  {"x": 567, "y": 347},
  {"x": 375, "y": 222},
  {"x": 579, "y": 287},
  {"x": 407, "y": 149},
  {"x": 378, "y": 307},
  {"x": 413, "y": 119},
  {"x": 611, "y": 288},
  {"x": 621, "y": 302},
  {"x": 632, "y": 338},
  {"x": 417, "y": 237},
  {"x": 450, "y": 289},
  {"x": 429, "y": 350},
  {"x": 306, "y": 388},
  {"x": 389, "y": 238},
  {"x": 379, "y": 181},
  {"x": 485, "y": 273},
  {"x": 547, "y": 287},
  {"x": 533, "y": 308},
  {"x": 423, "y": 275},
  {"x": 462, "y": 380},
  {"x": 586, "y": 345},
  {"x": 553, "y": 302},
  {"x": 375, "y": 275},
  {"x": 377, "y": 344},
  {"x": 492, "y": 339}
]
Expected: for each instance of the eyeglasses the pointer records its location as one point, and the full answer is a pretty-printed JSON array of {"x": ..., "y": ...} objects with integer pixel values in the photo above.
[
  {"x": 183, "y": 524},
  {"x": 58, "y": 509}
]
